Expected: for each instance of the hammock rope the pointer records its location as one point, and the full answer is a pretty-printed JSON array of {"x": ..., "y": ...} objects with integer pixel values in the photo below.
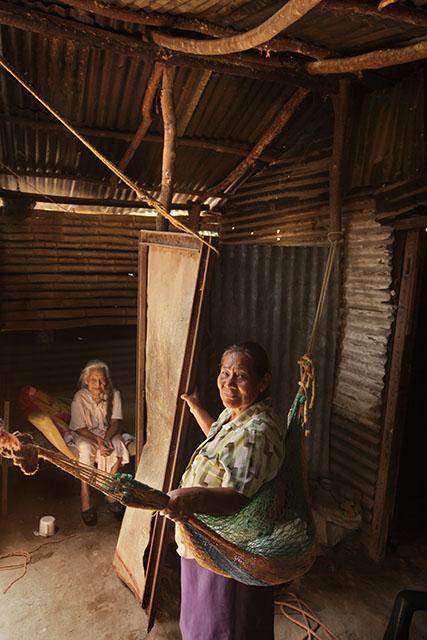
[{"x": 141, "y": 193}]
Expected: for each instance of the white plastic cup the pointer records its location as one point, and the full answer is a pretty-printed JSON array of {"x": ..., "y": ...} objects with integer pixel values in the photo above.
[{"x": 47, "y": 526}]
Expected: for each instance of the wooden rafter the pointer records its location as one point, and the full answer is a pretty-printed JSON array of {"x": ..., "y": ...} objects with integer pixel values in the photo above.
[
  {"x": 147, "y": 105},
  {"x": 287, "y": 15},
  {"x": 257, "y": 67},
  {"x": 287, "y": 111},
  {"x": 397, "y": 14},
  {"x": 219, "y": 146},
  {"x": 190, "y": 97},
  {"x": 374, "y": 60},
  {"x": 198, "y": 26},
  {"x": 169, "y": 129}
]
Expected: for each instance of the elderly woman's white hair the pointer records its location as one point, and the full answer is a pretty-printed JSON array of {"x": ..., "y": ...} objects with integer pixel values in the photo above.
[{"x": 95, "y": 364}]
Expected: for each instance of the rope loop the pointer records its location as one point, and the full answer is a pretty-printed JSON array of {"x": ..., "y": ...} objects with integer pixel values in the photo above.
[{"x": 335, "y": 236}]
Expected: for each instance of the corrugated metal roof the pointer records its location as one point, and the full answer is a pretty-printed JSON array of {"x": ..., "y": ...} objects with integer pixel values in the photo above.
[{"x": 103, "y": 89}]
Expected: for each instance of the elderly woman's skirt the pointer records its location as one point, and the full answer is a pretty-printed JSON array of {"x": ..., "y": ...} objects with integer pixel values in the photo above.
[{"x": 218, "y": 608}]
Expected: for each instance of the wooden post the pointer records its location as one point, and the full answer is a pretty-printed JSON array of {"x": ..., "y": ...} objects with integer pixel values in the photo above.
[
  {"x": 341, "y": 103},
  {"x": 4, "y": 462},
  {"x": 168, "y": 161},
  {"x": 194, "y": 215}
]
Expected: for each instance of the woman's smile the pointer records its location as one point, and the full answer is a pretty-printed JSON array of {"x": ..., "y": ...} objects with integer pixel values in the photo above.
[{"x": 238, "y": 384}]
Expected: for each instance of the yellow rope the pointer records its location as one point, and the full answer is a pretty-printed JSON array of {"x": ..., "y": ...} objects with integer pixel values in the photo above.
[
  {"x": 143, "y": 195},
  {"x": 307, "y": 378}
]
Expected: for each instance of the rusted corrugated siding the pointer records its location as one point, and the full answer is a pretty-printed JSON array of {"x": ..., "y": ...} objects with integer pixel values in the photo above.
[
  {"x": 269, "y": 294},
  {"x": 367, "y": 314},
  {"x": 387, "y": 137},
  {"x": 52, "y": 361},
  {"x": 65, "y": 270}
]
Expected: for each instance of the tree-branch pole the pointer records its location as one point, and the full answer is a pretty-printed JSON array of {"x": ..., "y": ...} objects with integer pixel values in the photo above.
[
  {"x": 198, "y": 26},
  {"x": 287, "y": 15},
  {"x": 168, "y": 158},
  {"x": 147, "y": 105},
  {"x": 272, "y": 132},
  {"x": 373, "y": 60},
  {"x": 257, "y": 67}
]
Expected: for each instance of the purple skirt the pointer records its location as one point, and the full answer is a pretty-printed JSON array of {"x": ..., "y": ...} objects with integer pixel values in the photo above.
[{"x": 218, "y": 608}]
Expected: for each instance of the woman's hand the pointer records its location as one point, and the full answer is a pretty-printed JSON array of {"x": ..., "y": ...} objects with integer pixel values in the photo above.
[
  {"x": 203, "y": 418},
  {"x": 179, "y": 507},
  {"x": 192, "y": 399},
  {"x": 105, "y": 447}
]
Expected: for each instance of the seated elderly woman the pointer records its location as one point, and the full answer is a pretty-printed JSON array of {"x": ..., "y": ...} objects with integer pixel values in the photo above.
[
  {"x": 244, "y": 448},
  {"x": 96, "y": 412}
]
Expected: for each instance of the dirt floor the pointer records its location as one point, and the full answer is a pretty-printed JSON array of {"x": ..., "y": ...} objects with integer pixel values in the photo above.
[{"x": 70, "y": 590}]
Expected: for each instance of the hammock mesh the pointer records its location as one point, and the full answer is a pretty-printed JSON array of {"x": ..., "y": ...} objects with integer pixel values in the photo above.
[{"x": 269, "y": 541}]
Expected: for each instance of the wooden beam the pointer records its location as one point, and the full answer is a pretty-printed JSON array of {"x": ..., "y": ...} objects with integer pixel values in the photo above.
[
  {"x": 286, "y": 16},
  {"x": 397, "y": 14},
  {"x": 199, "y": 26},
  {"x": 341, "y": 103},
  {"x": 373, "y": 60},
  {"x": 50, "y": 26},
  {"x": 219, "y": 146},
  {"x": 273, "y": 131},
  {"x": 169, "y": 153},
  {"x": 147, "y": 104},
  {"x": 190, "y": 97}
]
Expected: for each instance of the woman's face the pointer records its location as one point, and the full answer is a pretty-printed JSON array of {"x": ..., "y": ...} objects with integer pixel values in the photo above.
[
  {"x": 238, "y": 384},
  {"x": 96, "y": 382}
]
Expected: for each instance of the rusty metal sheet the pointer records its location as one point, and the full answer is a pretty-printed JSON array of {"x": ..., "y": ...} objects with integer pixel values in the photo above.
[{"x": 367, "y": 314}]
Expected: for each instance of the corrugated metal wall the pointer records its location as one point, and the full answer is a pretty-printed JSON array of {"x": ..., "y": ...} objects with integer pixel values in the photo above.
[
  {"x": 367, "y": 314},
  {"x": 62, "y": 270},
  {"x": 286, "y": 203},
  {"x": 269, "y": 294}
]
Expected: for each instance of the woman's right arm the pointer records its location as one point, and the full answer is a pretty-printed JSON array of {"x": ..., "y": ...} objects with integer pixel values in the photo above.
[{"x": 203, "y": 418}]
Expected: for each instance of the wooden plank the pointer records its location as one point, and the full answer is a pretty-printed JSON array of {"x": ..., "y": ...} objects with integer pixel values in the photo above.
[
  {"x": 172, "y": 268},
  {"x": 162, "y": 526}
]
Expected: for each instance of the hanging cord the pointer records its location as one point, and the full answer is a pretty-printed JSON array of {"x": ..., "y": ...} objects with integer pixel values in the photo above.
[
  {"x": 143, "y": 195},
  {"x": 26, "y": 558},
  {"x": 307, "y": 377},
  {"x": 294, "y": 609}
]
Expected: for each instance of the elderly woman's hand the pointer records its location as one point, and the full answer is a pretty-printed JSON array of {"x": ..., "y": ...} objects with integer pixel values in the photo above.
[{"x": 105, "y": 447}]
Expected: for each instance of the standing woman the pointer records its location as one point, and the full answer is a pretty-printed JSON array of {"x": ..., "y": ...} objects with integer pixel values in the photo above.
[
  {"x": 96, "y": 412},
  {"x": 244, "y": 448}
]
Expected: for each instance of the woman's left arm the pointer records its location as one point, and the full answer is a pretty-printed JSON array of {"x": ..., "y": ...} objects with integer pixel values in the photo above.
[
  {"x": 186, "y": 501},
  {"x": 112, "y": 429},
  {"x": 116, "y": 416}
]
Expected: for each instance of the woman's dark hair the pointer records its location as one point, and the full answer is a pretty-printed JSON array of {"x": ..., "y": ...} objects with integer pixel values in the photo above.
[{"x": 254, "y": 351}]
